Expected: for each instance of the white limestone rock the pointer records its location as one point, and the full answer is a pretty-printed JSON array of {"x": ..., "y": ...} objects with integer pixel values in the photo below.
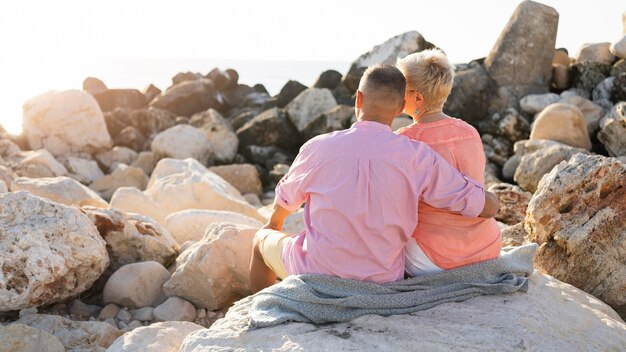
[
  {"x": 81, "y": 169},
  {"x": 50, "y": 252},
  {"x": 76, "y": 336},
  {"x": 178, "y": 185},
  {"x": 308, "y": 105},
  {"x": 123, "y": 176},
  {"x": 42, "y": 158},
  {"x": 214, "y": 272},
  {"x": 20, "y": 337},
  {"x": 175, "y": 309},
  {"x": 65, "y": 122},
  {"x": 3, "y": 187},
  {"x": 132, "y": 200},
  {"x": 222, "y": 138},
  {"x": 618, "y": 48},
  {"x": 534, "y": 103},
  {"x": 192, "y": 224},
  {"x": 552, "y": 316},
  {"x": 158, "y": 337},
  {"x": 563, "y": 123},
  {"x": 133, "y": 238},
  {"x": 137, "y": 285},
  {"x": 244, "y": 177},
  {"x": 62, "y": 190},
  {"x": 117, "y": 155},
  {"x": 181, "y": 142}
]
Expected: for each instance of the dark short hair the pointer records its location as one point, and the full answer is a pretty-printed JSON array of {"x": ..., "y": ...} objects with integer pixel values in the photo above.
[{"x": 383, "y": 76}]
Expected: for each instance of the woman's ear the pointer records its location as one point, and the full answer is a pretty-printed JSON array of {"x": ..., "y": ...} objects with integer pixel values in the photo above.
[{"x": 419, "y": 99}]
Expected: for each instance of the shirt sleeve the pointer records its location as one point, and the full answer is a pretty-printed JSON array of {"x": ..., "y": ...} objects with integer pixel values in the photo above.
[
  {"x": 290, "y": 191},
  {"x": 447, "y": 188}
]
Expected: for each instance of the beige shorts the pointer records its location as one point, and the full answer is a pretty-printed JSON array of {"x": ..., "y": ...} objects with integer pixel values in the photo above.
[{"x": 271, "y": 248}]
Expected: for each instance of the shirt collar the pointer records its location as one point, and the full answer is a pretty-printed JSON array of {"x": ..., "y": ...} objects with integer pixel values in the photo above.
[{"x": 371, "y": 126}]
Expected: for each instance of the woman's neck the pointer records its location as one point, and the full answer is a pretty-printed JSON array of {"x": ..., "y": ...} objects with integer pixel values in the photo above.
[{"x": 432, "y": 116}]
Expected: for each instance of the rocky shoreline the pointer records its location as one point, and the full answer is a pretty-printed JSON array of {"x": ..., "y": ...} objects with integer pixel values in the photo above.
[{"x": 126, "y": 216}]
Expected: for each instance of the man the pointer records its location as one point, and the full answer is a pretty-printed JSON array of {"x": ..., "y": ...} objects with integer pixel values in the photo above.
[{"x": 361, "y": 187}]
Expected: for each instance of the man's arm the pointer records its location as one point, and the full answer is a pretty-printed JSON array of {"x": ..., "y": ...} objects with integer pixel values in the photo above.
[
  {"x": 276, "y": 221},
  {"x": 492, "y": 205},
  {"x": 449, "y": 189}
]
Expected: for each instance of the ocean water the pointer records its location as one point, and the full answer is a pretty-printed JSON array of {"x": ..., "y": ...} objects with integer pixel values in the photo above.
[{"x": 32, "y": 77}]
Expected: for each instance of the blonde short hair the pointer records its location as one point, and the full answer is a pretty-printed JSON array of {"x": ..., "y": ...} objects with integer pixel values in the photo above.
[{"x": 430, "y": 73}]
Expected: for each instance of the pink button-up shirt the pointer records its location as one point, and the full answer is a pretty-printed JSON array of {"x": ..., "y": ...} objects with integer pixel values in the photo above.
[{"x": 362, "y": 187}]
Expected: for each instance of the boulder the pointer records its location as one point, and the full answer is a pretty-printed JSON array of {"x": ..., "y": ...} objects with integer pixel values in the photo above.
[
  {"x": 75, "y": 336},
  {"x": 142, "y": 314},
  {"x": 563, "y": 123},
  {"x": 471, "y": 93},
  {"x": 603, "y": 90},
  {"x": 270, "y": 128},
  {"x": 151, "y": 92},
  {"x": 618, "y": 67},
  {"x": 514, "y": 235},
  {"x": 535, "y": 103},
  {"x": 158, "y": 337},
  {"x": 117, "y": 155},
  {"x": 214, "y": 272},
  {"x": 587, "y": 75},
  {"x": 181, "y": 142},
  {"x": 242, "y": 117},
  {"x": 132, "y": 238},
  {"x": 520, "y": 62},
  {"x": 44, "y": 159},
  {"x": 513, "y": 202},
  {"x": 146, "y": 161},
  {"x": 596, "y": 52},
  {"x": 386, "y": 53},
  {"x": 578, "y": 216},
  {"x": 223, "y": 142},
  {"x": 244, "y": 177},
  {"x": 592, "y": 112},
  {"x": 175, "y": 309},
  {"x": 93, "y": 85},
  {"x": 308, "y": 105},
  {"x": 560, "y": 77},
  {"x": 3, "y": 187},
  {"x": 289, "y": 92},
  {"x": 537, "y": 158},
  {"x": 81, "y": 169},
  {"x": 618, "y": 48},
  {"x": 192, "y": 224},
  {"x": 618, "y": 91},
  {"x": 51, "y": 252},
  {"x": 185, "y": 184},
  {"x": 613, "y": 130},
  {"x": 552, "y": 316},
  {"x": 125, "y": 176},
  {"x": 337, "y": 118},
  {"x": 223, "y": 80},
  {"x": 137, "y": 285},
  {"x": 329, "y": 79},
  {"x": 110, "y": 99},
  {"x": 187, "y": 98},
  {"x": 132, "y": 138},
  {"x": 61, "y": 189},
  {"x": 132, "y": 200},
  {"x": 148, "y": 121},
  {"x": 8, "y": 149},
  {"x": 65, "y": 122},
  {"x": 508, "y": 126},
  {"x": 20, "y": 337}
]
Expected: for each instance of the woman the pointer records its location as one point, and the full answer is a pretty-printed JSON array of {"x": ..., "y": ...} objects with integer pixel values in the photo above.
[{"x": 444, "y": 240}]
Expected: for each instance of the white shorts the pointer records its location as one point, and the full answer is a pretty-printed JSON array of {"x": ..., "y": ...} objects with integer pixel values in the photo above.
[{"x": 416, "y": 262}]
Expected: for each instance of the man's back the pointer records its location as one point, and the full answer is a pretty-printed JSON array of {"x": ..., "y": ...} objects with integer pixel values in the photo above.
[{"x": 361, "y": 187}]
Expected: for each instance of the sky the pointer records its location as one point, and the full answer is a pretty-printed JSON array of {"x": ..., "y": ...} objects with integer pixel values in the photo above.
[{"x": 48, "y": 44}]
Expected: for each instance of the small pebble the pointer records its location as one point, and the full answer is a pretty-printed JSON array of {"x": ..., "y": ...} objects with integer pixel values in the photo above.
[
  {"x": 109, "y": 311},
  {"x": 124, "y": 316}
]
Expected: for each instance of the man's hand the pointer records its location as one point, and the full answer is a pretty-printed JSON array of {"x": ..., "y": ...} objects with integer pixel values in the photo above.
[{"x": 492, "y": 205}]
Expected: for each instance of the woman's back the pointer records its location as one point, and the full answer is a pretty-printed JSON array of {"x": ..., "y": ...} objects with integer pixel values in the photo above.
[{"x": 451, "y": 240}]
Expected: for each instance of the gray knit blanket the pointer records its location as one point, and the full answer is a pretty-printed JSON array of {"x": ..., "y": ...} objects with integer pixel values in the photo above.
[{"x": 320, "y": 299}]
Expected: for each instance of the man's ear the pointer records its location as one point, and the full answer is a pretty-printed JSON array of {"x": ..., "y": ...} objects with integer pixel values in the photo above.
[{"x": 359, "y": 99}]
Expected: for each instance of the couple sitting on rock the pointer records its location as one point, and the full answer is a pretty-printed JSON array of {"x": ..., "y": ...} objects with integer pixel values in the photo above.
[{"x": 379, "y": 203}]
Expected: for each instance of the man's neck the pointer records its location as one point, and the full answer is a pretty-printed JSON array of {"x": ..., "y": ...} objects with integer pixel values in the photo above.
[{"x": 375, "y": 118}]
